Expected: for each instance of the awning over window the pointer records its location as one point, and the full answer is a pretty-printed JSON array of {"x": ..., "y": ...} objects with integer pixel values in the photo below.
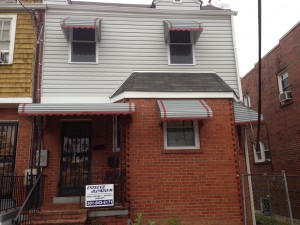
[
  {"x": 76, "y": 109},
  {"x": 183, "y": 25},
  {"x": 184, "y": 110},
  {"x": 244, "y": 114},
  {"x": 82, "y": 23}
]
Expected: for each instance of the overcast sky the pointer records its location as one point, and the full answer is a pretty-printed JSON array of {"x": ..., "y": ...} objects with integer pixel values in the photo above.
[{"x": 278, "y": 17}]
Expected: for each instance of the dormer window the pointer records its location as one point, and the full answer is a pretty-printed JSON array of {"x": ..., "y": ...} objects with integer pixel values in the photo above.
[{"x": 181, "y": 36}]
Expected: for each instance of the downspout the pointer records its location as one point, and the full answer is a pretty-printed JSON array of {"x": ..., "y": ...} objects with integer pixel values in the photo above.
[
  {"x": 249, "y": 178},
  {"x": 37, "y": 131}
]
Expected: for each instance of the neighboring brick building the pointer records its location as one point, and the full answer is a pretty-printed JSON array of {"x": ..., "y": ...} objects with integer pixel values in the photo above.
[
  {"x": 141, "y": 97},
  {"x": 280, "y": 108},
  {"x": 18, "y": 67}
]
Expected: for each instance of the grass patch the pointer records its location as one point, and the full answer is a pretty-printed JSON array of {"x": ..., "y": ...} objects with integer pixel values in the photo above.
[{"x": 266, "y": 220}]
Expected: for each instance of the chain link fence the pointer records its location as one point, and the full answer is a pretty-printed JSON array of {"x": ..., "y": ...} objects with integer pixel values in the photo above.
[{"x": 271, "y": 199}]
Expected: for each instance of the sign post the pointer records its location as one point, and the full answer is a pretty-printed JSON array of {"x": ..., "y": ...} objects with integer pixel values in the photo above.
[{"x": 100, "y": 195}]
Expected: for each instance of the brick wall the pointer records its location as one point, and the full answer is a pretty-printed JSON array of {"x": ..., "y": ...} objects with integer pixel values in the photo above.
[
  {"x": 283, "y": 123},
  {"x": 201, "y": 186}
]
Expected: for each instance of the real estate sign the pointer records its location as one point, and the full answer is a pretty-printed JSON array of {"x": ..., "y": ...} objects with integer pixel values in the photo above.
[{"x": 99, "y": 195}]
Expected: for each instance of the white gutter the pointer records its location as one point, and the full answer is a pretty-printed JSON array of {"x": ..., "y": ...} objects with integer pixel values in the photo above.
[
  {"x": 18, "y": 7},
  {"x": 138, "y": 10}
]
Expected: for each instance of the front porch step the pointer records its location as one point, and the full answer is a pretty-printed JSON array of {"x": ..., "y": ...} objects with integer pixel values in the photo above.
[{"x": 61, "y": 217}]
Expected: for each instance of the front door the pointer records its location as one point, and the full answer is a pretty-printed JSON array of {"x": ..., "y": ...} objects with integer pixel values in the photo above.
[{"x": 75, "y": 158}]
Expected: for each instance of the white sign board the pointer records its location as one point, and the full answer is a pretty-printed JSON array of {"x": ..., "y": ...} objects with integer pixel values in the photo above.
[{"x": 99, "y": 195}]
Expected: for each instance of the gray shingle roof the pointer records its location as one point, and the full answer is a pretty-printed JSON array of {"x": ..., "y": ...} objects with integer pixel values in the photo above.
[{"x": 173, "y": 82}]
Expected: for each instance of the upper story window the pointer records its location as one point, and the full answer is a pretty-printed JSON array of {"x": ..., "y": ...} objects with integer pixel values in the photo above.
[
  {"x": 181, "y": 48},
  {"x": 181, "y": 36},
  {"x": 263, "y": 153},
  {"x": 83, "y": 45},
  {"x": 7, "y": 38},
  {"x": 181, "y": 134},
  {"x": 284, "y": 86},
  {"x": 83, "y": 33},
  {"x": 247, "y": 101}
]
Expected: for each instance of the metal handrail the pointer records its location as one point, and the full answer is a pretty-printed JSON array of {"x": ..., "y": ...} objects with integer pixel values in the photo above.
[
  {"x": 31, "y": 204},
  {"x": 12, "y": 192}
]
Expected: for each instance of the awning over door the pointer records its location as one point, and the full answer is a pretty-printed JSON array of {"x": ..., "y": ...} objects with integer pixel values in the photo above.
[
  {"x": 82, "y": 23},
  {"x": 183, "y": 25},
  {"x": 76, "y": 109},
  {"x": 244, "y": 114},
  {"x": 184, "y": 110}
]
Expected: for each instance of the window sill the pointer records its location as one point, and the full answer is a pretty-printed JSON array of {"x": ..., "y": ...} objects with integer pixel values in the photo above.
[
  {"x": 262, "y": 163},
  {"x": 282, "y": 105},
  {"x": 88, "y": 63},
  {"x": 169, "y": 64},
  {"x": 181, "y": 151}
]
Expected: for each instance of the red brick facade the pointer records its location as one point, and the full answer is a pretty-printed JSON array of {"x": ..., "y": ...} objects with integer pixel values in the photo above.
[
  {"x": 202, "y": 186},
  {"x": 199, "y": 185}
]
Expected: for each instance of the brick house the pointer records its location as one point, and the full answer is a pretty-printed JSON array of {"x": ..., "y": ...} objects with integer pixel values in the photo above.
[
  {"x": 142, "y": 97},
  {"x": 280, "y": 96}
]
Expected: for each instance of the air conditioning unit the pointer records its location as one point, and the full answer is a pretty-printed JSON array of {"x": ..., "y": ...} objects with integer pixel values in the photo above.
[
  {"x": 4, "y": 57},
  {"x": 285, "y": 96}
]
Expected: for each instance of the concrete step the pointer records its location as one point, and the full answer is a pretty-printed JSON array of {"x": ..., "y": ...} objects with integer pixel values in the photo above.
[{"x": 74, "y": 217}]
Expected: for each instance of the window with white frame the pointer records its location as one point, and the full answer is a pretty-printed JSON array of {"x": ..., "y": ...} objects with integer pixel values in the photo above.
[
  {"x": 283, "y": 82},
  {"x": 181, "y": 134},
  {"x": 83, "y": 45},
  {"x": 7, "y": 37},
  {"x": 263, "y": 153},
  {"x": 181, "y": 48},
  {"x": 247, "y": 101}
]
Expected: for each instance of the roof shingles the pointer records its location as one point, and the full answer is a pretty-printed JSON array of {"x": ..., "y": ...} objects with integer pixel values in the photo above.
[{"x": 173, "y": 82}]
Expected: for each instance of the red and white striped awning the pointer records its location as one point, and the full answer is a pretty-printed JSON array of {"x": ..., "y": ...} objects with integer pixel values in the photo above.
[
  {"x": 81, "y": 23},
  {"x": 183, "y": 25},
  {"x": 76, "y": 109},
  {"x": 184, "y": 110}
]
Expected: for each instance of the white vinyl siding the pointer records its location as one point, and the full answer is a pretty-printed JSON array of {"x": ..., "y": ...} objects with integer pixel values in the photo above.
[{"x": 130, "y": 42}]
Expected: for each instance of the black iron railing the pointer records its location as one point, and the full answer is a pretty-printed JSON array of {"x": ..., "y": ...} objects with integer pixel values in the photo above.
[
  {"x": 13, "y": 192},
  {"x": 33, "y": 201}
]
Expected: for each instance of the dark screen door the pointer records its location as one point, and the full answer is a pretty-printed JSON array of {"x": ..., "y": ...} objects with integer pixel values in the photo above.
[{"x": 75, "y": 158}]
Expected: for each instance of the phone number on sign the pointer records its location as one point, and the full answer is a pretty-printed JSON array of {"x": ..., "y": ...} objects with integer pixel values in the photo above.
[{"x": 99, "y": 202}]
